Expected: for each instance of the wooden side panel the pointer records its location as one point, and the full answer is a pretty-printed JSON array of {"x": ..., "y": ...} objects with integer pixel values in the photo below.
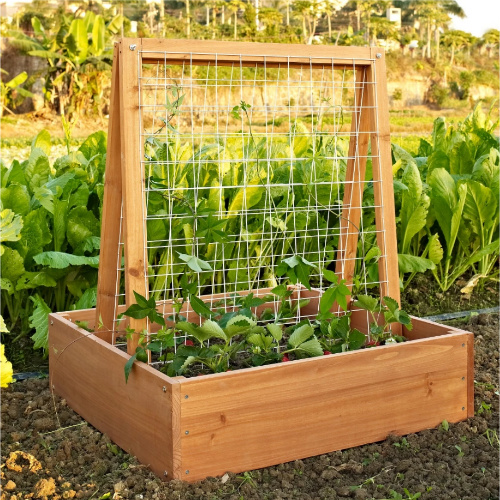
[
  {"x": 385, "y": 214},
  {"x": 140, "y": 416},
  {"x": 354, "y": 185},
  {"x": 132, "y": 181},
  {"x": 108, "y": 277},
  {"x": 238, "y": 421}
]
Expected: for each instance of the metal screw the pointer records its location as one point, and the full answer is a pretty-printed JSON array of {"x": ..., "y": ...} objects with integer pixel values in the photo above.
[
  {"x": 463, "y": 408},
  {"x": 165, "y": 473},
  {"x": 133, "y": 46},
  {"x": 186, "y": 396},
  {"x": 379, "y": 56},
  {"x": 164, "y": 389},
  {"x": 187, "y": 472},
  {"x": 51, "y": 322},
  {"x": 187, "y": 432},
  {"x": 463, "y": 378},
  {"x": 463, "y": 345}
]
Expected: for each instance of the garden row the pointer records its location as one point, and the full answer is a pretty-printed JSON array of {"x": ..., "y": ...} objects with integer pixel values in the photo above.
[{"x": 447, "y": 208}]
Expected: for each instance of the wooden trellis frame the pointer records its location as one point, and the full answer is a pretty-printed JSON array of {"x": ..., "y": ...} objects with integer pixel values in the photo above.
[{"x": 192, "y": 428}]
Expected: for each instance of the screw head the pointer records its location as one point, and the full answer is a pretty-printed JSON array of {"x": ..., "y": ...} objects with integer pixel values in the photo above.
[
  {"x": 378, "y": 55},
  {"x": 463, "y": 378},
  {"x": 165, "y": 473},
  {"x": 463, "y": 408},
  {"x": 164, "y": 388},
  {"x": 187, "y": 432},
  {"x": 186, "y": 396},
  {"x": 51, "y": 322},
  {"x": 132, "y": 46},
  {"x": 187, "y": 472}
]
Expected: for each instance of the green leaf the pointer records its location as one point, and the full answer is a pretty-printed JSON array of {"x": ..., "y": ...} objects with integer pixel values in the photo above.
[
  {"x": 16, "y": 198},
  {"x": 10, "y": 226},
  {"x": 81, "y": 224},
  {"x": 435, "y": 250},
  {"x": 212, "y": 329},
  {"x": 356, "y": 339},
  {"x": 7, "y": 286},
  {"x": 199, "y": 307},
  {"x": 478, "y": 206},
  {"x": 276, "y": 330},
  {"x": 12, "y": 264},
  {"x": 189, "y": 328},
  {"x": 42, "y": 140},
  {"x": 128, "y": 366},
  {"x": 367, "y": 302},
  {"x": 245, "y": 198},
  {"x": 413, "y": 264},
  {"x": 98, "y": 35},
  {"x": 312, "y": 347},
  {"x": 61, "y": 260},
  {"x": 448, "y": 201},
  {"x": 391, "y": 304},
  {"x": 38, "y": 169},
  {"x": 35, "y": 279},
  {"x": 195, "y": 263},
  {"x": 39, "y": 320},
  {"x": 88, "y": 299},
  {"x": 300, "y": 335}
]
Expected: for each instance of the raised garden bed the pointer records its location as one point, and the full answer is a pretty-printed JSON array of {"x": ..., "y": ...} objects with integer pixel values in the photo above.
[{"x": 235, "y": 421}]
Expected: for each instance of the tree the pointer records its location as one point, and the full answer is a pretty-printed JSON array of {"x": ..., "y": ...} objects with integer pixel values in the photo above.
[
  {"x": 434, "y": 14},
  {"x": 455, "y": 40},
  {"x": 491, "y": 39},
  {"x": 234, "y": 7},
  {"x": 310, "y": 11},
  {"x": 271, "y": 19},
  {"x": 330, "y": 8}
]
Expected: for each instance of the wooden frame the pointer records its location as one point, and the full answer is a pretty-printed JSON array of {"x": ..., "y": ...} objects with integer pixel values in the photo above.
[{"x": 193, "y": 428}]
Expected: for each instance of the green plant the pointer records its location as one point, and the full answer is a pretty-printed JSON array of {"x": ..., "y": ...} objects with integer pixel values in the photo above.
[
  {"x": 79, "y": 55},
  {"x": 11, "y": 92},
  {"x": 409, "y": 496},
  {"x": 51, "y": 234}
]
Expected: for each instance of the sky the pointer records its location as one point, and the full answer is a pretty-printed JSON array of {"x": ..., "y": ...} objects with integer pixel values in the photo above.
[{"x": 482, "y": 15}]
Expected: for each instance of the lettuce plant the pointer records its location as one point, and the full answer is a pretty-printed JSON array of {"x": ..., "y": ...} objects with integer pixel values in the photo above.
[{"x": 50, "y": 213}]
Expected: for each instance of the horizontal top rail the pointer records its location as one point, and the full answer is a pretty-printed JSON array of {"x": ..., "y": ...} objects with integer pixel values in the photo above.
[{"x": 171, "y": 51}]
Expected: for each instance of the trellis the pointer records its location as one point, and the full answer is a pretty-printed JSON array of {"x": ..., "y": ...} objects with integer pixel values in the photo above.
[{"x": 217, "y": 102}]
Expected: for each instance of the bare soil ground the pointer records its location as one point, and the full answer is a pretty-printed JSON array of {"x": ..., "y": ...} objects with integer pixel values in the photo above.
[{"x": 49, "y": 452}]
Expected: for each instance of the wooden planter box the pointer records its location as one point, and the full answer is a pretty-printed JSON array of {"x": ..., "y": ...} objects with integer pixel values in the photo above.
[{"x": 256, "y": 417}]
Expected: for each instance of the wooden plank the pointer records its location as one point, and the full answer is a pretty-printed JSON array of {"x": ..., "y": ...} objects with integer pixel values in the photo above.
[
  {"x": 140, "y": 416},
  {"x": 132, "y": 182},
  {"x": 385, "y": 214},
  {"x": 109, "y": 276},
  {"x": 354, "y": 185},
  {"x": 250, "y": 53},
  {"x": 319, "y": 405}
]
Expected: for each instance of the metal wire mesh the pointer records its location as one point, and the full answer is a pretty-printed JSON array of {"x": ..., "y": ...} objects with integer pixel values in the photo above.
[{"x": 245, "y": 166}]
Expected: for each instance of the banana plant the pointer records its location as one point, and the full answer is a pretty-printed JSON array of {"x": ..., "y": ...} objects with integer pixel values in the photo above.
[{"x": 11, "y": 92}]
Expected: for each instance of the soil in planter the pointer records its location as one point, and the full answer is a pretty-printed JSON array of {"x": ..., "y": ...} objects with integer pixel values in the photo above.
[{"x": 77, "y": 461}]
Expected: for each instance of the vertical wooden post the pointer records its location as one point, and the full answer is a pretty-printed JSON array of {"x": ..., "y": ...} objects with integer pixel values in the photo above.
[
  {"x": 354, "y": 184},
  {"x": 385, "y": 214},
  {"x": 134, "y": 210},
  {"x": 109, "y": 260}
]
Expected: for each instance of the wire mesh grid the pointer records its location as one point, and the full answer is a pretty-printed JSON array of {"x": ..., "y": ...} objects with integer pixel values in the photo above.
[{"x": 245, "y": 166}]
